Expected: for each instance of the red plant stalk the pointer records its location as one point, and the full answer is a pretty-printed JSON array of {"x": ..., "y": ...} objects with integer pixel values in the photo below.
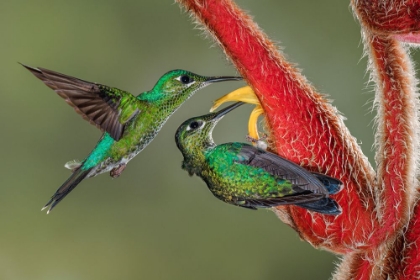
[
  {"x": 396, "y": 155},
  {"x": 306, "y": 129},
  {"x": 383, "y": 24}
]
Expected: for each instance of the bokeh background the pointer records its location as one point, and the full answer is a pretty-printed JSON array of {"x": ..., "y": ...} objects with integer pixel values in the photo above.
[{"x": 154, "y": 222}]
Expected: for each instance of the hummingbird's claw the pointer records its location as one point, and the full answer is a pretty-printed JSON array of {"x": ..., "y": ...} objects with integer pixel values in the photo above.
[
  {"x": 254, "y": 140},
  {"x": 116, "y": 172},
  {"x": 258, "y": 142}
]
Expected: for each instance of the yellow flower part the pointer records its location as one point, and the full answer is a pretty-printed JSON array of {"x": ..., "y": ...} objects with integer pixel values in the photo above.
[{"x": 247, "y": 95}]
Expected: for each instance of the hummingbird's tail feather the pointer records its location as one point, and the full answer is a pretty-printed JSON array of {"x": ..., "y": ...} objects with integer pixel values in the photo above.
[
  {"x": 77, "y": 176},
  {"x": 333, "y": 185},
  {"x": 327, "y": 206}
]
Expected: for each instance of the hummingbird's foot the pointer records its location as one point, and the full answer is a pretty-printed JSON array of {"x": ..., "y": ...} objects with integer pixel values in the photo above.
[
  {"x": 258, "y": 142},
  {"x": 73, "y": 165},
  {"x": 116, "y": 172}
]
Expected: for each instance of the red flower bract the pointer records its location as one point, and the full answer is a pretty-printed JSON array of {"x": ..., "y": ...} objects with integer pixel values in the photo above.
[{"x": 374, "y": 232}]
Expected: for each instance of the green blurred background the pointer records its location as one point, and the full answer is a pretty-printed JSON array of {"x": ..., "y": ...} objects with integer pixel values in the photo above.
[{"x": 154, "y": 222}]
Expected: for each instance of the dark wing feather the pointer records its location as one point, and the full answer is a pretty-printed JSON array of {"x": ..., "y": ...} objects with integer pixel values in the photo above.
[
  {"x": 98, "y": 104},
  {"x": 326, "y": 205},
  {"x": 282, "y": 168},
  {"x": 300, "y": 198},
  {"x": 333, "y": 185}
]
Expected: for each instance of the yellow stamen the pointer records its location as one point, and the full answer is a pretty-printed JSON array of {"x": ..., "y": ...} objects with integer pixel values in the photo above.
[
  {"x": 247, "y": 95},
  {"x": 252, "y": 123}
]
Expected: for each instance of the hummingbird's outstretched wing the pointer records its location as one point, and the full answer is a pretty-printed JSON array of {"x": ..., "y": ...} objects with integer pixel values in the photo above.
[{"x": 107, "y": 108}]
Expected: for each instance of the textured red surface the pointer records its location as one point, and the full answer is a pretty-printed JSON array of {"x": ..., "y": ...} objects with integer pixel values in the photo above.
[
  {"x": 389, "y": 17},
  {"x": 396, "y": 108},
  {"x": 375, "y": 231},
  {"x": 383, "y": 22},
  {"x": 304, "y": 127},
  {"x": 410, "y": 256}
]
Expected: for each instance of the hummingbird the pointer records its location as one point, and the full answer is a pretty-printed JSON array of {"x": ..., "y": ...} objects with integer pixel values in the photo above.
[
  {"x": 250, "y": 177},
  {"x": 129, "y": 123}
]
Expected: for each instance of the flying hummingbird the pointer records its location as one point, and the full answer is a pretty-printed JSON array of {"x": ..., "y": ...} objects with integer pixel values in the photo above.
[
  {"x": 247, "y": 176},
  {"x": 129, "y": 122}
]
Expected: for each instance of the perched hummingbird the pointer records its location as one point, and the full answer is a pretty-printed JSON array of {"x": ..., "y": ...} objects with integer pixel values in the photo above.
[
  {"x": 247, "y": 176},
  {"x": 129, "y": 122}
]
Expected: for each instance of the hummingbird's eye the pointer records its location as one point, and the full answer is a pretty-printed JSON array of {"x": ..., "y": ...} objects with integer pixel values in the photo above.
[
  {"x": 185, "y": 79},
  {"x": 194, "y": 125}
]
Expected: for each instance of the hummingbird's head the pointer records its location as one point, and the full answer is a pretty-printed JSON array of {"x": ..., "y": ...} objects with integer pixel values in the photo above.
[
  {"x": 179, "y": 85},
  {"x": 196, "y": 133}
]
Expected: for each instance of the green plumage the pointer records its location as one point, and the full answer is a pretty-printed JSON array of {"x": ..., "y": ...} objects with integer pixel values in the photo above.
[
  {"x": 129, "y": 123},
  {"x": 228, "y": 178},
  {"x": 243, "y": 175}
]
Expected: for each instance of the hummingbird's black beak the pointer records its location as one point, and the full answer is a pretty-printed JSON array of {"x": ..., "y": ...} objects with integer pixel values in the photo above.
[
  {"x": 218, "y": 115},
  {"x": 222, "y": 79}
]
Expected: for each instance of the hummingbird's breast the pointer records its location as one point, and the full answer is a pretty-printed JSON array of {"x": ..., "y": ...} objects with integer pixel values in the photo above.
[
  {"x": 220, "y": 186},
  {"x": 137, "y": 135}
]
